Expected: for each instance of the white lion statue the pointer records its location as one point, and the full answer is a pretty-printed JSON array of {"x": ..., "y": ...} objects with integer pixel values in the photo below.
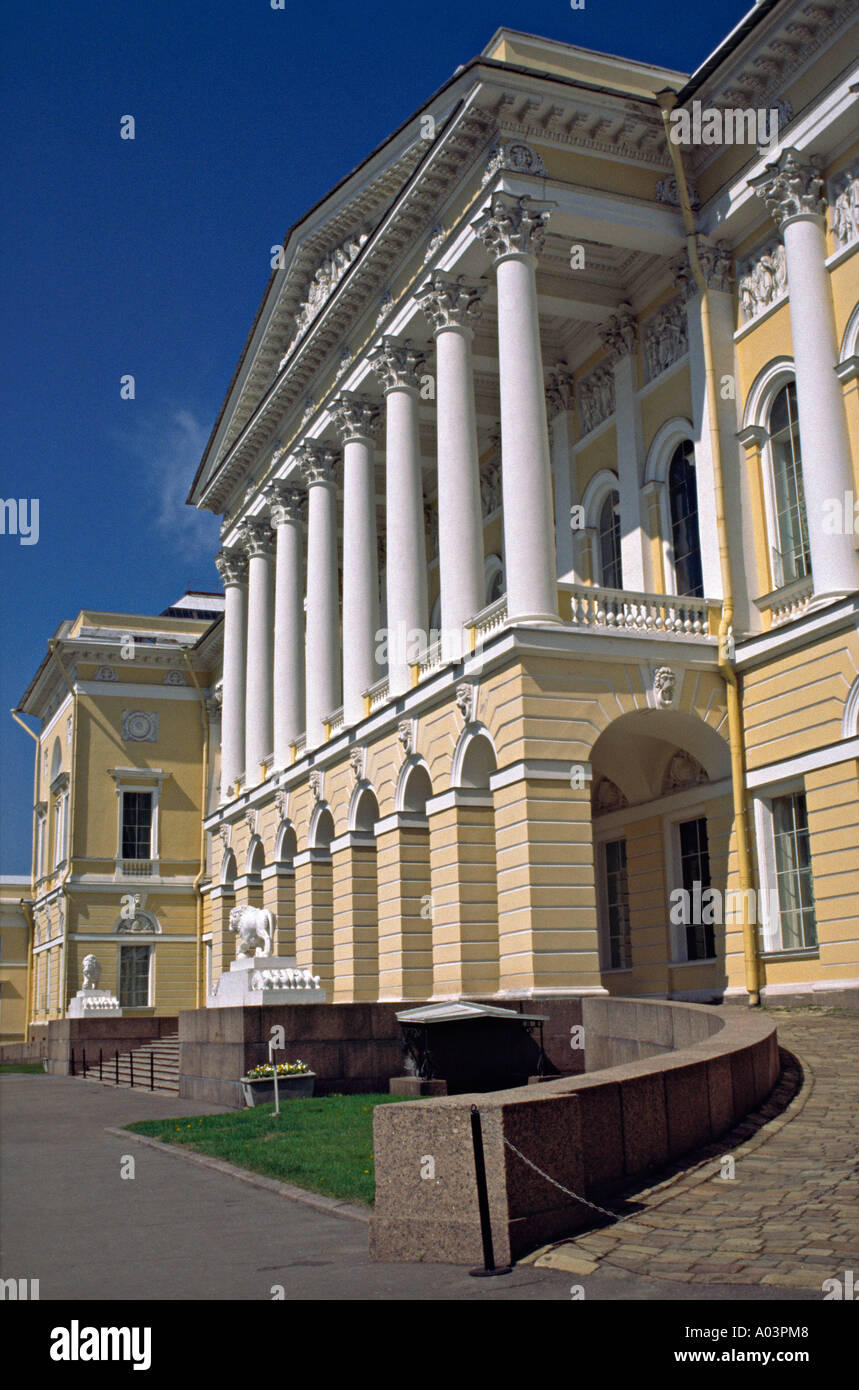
[
  {"x": 254, "y": 931},
  {"x": 91, "y": 972}
]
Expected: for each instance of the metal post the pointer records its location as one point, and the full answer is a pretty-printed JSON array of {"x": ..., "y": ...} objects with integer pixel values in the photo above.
[
  {"x": 72, "y": 1063},
  {"x": 131, "y": 1068},
  {"x": 116, "y": 1060},
  {"x": 274, "y": 1064},
  {"x": 83, "y": 1050},
  {"x": 99, "y": 1064},
  {"x": 489, "y": 1268},
  {"x": 152, "y": 1071}
]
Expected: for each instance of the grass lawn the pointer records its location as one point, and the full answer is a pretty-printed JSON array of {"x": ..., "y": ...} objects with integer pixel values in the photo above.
[
  {"x": 323, "y": 1143},
  {"x": 22, "y": 1066}
]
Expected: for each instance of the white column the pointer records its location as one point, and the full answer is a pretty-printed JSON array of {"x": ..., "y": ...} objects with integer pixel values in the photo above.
[
  {"x": 322, "y": 664},
  {"x": 397, "y": 365},
  {"x": 233, "y": 569},
  {"x": 717, "y": 269},
  {"x": 259, "y": 543},
  {"x": 452, "y": 308},
  {"x": 356, "y": 419},
  {"x": 559, "y": 400},
  {"x": 621, "y": 338},
  {"x": 287, "y": 505},
  {"x": 793, "y": 192},
  {"x": 513, "y": 232}
]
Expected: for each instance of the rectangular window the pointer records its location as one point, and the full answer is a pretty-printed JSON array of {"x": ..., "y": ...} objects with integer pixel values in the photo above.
[
  {"x": 60, "y": 829},
  {"x": 46, "y": 985},
  {"x": 134, "y": 977},
  {"x": 136, "y": 825},
  {"x": 40, "y": 847},
  {"x": 617, "y": 903},
  {"x": 793, "y": 873},
  {"x": 695, "y": 870}
]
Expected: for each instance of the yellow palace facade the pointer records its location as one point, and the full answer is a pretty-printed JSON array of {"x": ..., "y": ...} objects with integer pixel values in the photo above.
[{"x": 539, "y": 667}]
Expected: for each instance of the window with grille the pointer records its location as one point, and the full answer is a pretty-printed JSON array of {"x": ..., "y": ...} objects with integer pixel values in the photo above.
[
  {"x": 695, "y": 869},
  {"x": 793, "y": 556},
  {"x": 685, "y": 538},
  {"x": 617, "y": 903},
  {"x": 794, "y": 881},
  {"x": 134, "y": 976},
  {"x": 136, "y": 825}
]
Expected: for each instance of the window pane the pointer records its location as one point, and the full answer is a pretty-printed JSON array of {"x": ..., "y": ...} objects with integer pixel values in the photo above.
[
  {"x": 134, "y": 976},
  {"x": 791, "y": 520},
  {"x": 695, "y": 869},
  {"x": 136, "y": 825},
  {"x": 617, "y": 898},
  {"x": 609, "y": 543},
  {"x": 793, "y": 873},
  {"x": 683, "y": 497}
]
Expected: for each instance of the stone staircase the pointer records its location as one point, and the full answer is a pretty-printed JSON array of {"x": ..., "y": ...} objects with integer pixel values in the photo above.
[{"x": 161, "y": 1073}]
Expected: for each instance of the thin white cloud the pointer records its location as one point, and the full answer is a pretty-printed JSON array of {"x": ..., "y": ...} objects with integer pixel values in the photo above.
[{"x": 169, "y": 450}]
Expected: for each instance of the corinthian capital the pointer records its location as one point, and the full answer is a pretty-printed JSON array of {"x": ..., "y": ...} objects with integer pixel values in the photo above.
[
  {"x": 450, "y": 303},
  {"x": 715, "y": 261},
  {"x": 396, "y": 363},
  {"x": 355, "y": 417},
  {"x": 620, "y": 334},
  {"x": 512, "y": 225},
  {"x": 791, "y": 188},
  {"x": 287, "y": 503},
  {"x": 258, "y": 538},
  {"x": 232, "y": 566},
  {"x": 317, "y": 463}
]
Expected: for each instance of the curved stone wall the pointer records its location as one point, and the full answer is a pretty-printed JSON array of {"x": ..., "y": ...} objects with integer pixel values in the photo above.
[{"x": 663, "y": 1079}]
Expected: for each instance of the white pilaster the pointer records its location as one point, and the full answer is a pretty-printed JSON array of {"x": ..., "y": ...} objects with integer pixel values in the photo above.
[
  {"x": 398, "y": 365},
  {"x": 559, "y": 399},
  {"x": 287, "y": 505},
  {"x": 621, "y": 338},
  {"x": 793, "y": 192},
  {"x": 513, "y": 231},
  {"x": 259, "y": 544},
  {"x": 356, "y": 419},
  {"x": 322, "y": 665},
  {"x": 233, "y": 569},
  {"x": 452, "y": 308}
]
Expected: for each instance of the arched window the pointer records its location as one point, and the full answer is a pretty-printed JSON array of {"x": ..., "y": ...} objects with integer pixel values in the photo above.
[
  {"x": 791, "y": 553},
  {"x": 683, "y": 502},
  {"x": 494, "y": 570},
  {"x": 611, "y": 571}
]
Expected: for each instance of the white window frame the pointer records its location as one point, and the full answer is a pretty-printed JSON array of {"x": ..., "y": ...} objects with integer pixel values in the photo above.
[
  {"x": 674, "y": 879},
  {"x": 656, "y": 468},
  {"x": 150, "y": 993},
  {"x": 769, "y": 928},
  {"x": 598, "y": 489},
  {"x": 759, "y": 403},
  {"x": 136, "y": 779},
  {"x": 60, "y": 795}
]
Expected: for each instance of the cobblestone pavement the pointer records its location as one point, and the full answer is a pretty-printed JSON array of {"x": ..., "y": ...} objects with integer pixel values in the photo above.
[{"x": 789, "y": 1218}]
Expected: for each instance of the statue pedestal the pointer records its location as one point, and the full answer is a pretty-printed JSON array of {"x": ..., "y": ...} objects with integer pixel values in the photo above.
[
  {"x": 252, "y": 982},
  {"x": 90, "y": 1002}
]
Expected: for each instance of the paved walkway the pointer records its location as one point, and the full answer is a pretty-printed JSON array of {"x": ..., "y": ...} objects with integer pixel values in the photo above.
[{"x": 789, "y": 1218}]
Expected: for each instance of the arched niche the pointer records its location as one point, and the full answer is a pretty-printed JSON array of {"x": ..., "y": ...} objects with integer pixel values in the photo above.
[
  {"x": 286, "y": 845},
  {"x": 228, "y": 869},
  {"x": 474, "y": 760},
  {"x": 415, "y": 787},
  {"x": 363, "y": 810},
  {"x": 321, "y": 829},
  {"x": 255, "y": 862}
]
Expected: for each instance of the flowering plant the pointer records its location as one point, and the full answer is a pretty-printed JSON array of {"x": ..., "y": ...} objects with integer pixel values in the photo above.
[{"x": 265, "y": 1070}]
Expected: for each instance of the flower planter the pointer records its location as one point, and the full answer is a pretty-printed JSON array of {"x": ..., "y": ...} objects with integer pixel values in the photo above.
[{"x": 260, "y": 1090}]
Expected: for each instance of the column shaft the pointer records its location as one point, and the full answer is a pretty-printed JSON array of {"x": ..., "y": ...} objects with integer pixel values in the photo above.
[
  {"x": 258, "y": 708},
  {"x": 289, "y": 697},
  {"x": 322, "y": 628},
  {"x": 233, "y": 571}
]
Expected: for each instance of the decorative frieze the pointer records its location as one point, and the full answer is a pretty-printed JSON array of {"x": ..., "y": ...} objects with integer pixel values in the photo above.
[
  {"x": 139, "y": 726},
  {"x": 490, "y": 485},
  {"x": 436, "y": 237},
  {"x": 665, "y": 338},
  {"x": 323, "y": 282},
  {"x": 559, "y": 389},
  {"x": 175, "y": 678},
  {"x": 620, "y": 334},
  {"x": 106, "y": 673},
  {"x": 606, "y": 796},
  {"x": 513, "y": 226},
  {"x": 666, "y": 192},
  {"x": 450, "y": 303},
  {"x": 596, "y": 397},
  {"x": 514, "y": 157},
  {"x": 716, "y": 265},
  {"x": 683, "y": 771},
  {"x": 762, "y": 280},
  {"x": 844, "y": 196}
]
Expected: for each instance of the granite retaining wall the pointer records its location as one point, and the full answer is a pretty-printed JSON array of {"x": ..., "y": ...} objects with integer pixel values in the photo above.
[{"x": 662, "y": 1079}]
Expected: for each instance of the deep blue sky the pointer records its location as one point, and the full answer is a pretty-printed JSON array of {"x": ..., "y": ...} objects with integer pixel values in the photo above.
[{"x": 150, "y": 256}]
